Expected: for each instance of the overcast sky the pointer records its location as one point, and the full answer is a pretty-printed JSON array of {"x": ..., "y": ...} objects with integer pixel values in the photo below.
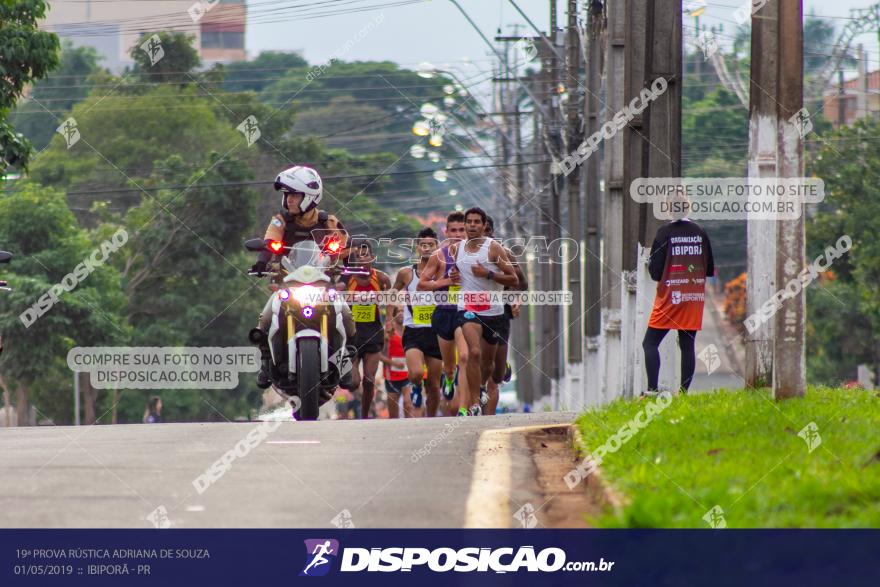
[{"x": 435, "y": 31}]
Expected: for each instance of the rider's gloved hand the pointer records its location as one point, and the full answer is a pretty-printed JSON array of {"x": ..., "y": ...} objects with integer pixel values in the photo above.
[{"x": 259, "y": 268}]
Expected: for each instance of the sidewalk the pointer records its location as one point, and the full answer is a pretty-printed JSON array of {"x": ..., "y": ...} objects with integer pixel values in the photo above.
[{"x": 716, "y": 331}]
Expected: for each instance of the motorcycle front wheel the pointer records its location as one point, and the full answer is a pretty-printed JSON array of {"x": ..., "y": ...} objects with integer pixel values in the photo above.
[{"x": 308, "y": 373}]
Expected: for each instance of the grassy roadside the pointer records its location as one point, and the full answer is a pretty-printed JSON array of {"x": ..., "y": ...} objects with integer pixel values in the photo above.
[{"x": 741, "y": 451}]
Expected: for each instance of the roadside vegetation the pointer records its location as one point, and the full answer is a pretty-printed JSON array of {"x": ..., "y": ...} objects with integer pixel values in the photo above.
[{"x": 747, "y": 454}]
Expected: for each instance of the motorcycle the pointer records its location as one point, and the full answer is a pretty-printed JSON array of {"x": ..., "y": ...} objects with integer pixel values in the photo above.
[
  {"x": 4, "y": 258},
  {"x": 306, "y": 336}
]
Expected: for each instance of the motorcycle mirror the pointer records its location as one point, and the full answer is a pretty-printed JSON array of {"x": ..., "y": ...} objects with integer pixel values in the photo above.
[
  {"x": 5, "y": 257},
  {"x": 256, "y": 336},
  {"x": 255, "y": 244}
]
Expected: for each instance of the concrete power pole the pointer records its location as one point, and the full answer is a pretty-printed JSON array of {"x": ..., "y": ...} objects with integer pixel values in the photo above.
[
  {"x": 761, "y": 234},
  {"x": 508, "y": 107},
  {"x": 554, "y": 348},
  {"x": 612, "y": 213},
  {"x": 652, "y": 148},
  {"x": 592, "y": 250},
  {"x": 789, "y": 348},
  {"x": 862, "y": 95},
  {"x": 635, "y": 135},
  {"x": 574, "y": 136},
  {"x": 546, "y": 360},
  {"x": 663, "y": 58}
]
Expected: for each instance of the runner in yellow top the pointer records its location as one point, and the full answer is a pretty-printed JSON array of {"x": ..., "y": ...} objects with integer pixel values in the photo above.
[{"x": 419, "y": 340}]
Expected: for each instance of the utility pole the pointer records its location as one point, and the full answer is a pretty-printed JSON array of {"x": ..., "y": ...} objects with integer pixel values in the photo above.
[
  {"x": 554, "y": 347},
  {"x": 503, "y": 129},
  {"x": 761, "y": 234},
  {"x": 508, "y": 106},
  {"x": 652, "y": 148},
  {"x": 841, "y": 100},
  {"x": 635, "y": 143},
  {"x": 635, "y": 134},
  {"x": 663, "y": 59},
  {"x": 540, "y": 174},
  {"x": 592, "y": 250},
  {"x": 862, "y": 95},
  {"x": 612, "y": 212},
  {"x": 547, "y": 324},
  {"x": 652, "y": 141},
  {"x": 574, "y": 136},
  {"x": 789, "y": 348}
]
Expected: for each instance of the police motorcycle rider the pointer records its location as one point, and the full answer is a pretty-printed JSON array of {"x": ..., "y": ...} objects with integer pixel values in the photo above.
[{"x": 300, "y": 220}]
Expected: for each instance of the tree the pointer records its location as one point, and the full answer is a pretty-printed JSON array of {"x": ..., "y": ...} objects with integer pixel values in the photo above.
[
  {"x": 28, "y": 55},
  {"x": 850, "y": 167},
  {"x": 161, "y": 57},
  {"x": 255, "y": 75},
  {"x": 122, "y": 136},
  {"x": 49, "y": 245},
  {"x": 58, "y": 93},
  {"x": 715, "y": 127}
]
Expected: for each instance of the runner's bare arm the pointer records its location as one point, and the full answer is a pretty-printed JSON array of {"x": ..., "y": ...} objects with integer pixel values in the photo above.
[
  {"x": 430, "y": 279},
  {"x": 401, "y": 280},
  {"x": 384, "y": 281},
  {"x": 496, "y": 255}
]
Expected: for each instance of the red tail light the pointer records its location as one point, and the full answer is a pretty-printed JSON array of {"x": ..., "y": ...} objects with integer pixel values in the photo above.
[
  {"x": 332, "y": 246},
  {"x": 276, "y": 246}
]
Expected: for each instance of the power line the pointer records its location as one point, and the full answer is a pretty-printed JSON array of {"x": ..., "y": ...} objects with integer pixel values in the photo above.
[{"x": 247, "y": 183}]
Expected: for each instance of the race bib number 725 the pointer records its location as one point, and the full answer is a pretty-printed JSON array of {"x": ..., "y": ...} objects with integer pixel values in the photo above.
[{"x": 364, "y": 313}]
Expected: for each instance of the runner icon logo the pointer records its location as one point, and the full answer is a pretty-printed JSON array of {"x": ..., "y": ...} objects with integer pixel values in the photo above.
[{"x": 320, "y": 554}]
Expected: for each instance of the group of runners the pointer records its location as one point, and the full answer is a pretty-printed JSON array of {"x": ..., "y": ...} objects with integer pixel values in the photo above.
[
  {"x": 450, "y": 357},
  {"x": 438, "y": 358}
]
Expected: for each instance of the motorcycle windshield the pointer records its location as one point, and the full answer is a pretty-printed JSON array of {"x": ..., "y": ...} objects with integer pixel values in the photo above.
[{"x": 308, "y": 253}]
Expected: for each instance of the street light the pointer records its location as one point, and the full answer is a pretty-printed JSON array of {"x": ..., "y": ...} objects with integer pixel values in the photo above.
[
  {"x": 429, "y": 110},
  {"x": 421, "y": 128}
]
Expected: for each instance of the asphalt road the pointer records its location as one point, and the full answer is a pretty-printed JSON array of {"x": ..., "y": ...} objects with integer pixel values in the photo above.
[{"x": 377, "y": 473}]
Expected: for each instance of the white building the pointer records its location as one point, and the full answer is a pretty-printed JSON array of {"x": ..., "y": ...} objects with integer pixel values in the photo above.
[{"x": 112, "y": 27}]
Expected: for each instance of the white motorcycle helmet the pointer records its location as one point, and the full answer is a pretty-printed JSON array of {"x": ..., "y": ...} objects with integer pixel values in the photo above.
[{"x": 301, "y": 180}]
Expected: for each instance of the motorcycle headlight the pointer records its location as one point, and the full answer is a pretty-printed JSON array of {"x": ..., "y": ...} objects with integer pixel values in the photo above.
[
  {"x": 307, "y": 295},
  {"x": 284, "y": 294}
]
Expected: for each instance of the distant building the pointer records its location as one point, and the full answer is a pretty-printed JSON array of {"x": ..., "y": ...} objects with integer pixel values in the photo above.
[
  {"x": 112, "y": 27},
  {"x": 860, "y": 98}
]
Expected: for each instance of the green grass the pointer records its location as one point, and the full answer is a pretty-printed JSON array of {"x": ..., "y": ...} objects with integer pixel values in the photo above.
[{"x": 741, "y": 451}]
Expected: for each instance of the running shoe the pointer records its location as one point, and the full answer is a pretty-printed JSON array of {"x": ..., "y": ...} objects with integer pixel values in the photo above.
[
  {"x": 475, "y": 410},
  {"x": 415, "y": 395},
  {"x": 447, "y": 386},
  {"x": 484, "y": 395},
  {"x": 463, "y": 412},
  {"x": 508, "y": 374}
]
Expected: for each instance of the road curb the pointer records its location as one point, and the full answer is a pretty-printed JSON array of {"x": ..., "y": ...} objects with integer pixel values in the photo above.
[
  {"x": 598, "y": 488},
  {"x": 488, "y": 500},
  {"x": 487, "y": 503}
]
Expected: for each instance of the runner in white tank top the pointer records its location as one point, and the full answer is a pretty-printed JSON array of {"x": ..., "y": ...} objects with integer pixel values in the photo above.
[
  {"x": 483, "y": 267},
  {"x": 465, "y": 261},
  {"x": 419, "y": 341}
]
